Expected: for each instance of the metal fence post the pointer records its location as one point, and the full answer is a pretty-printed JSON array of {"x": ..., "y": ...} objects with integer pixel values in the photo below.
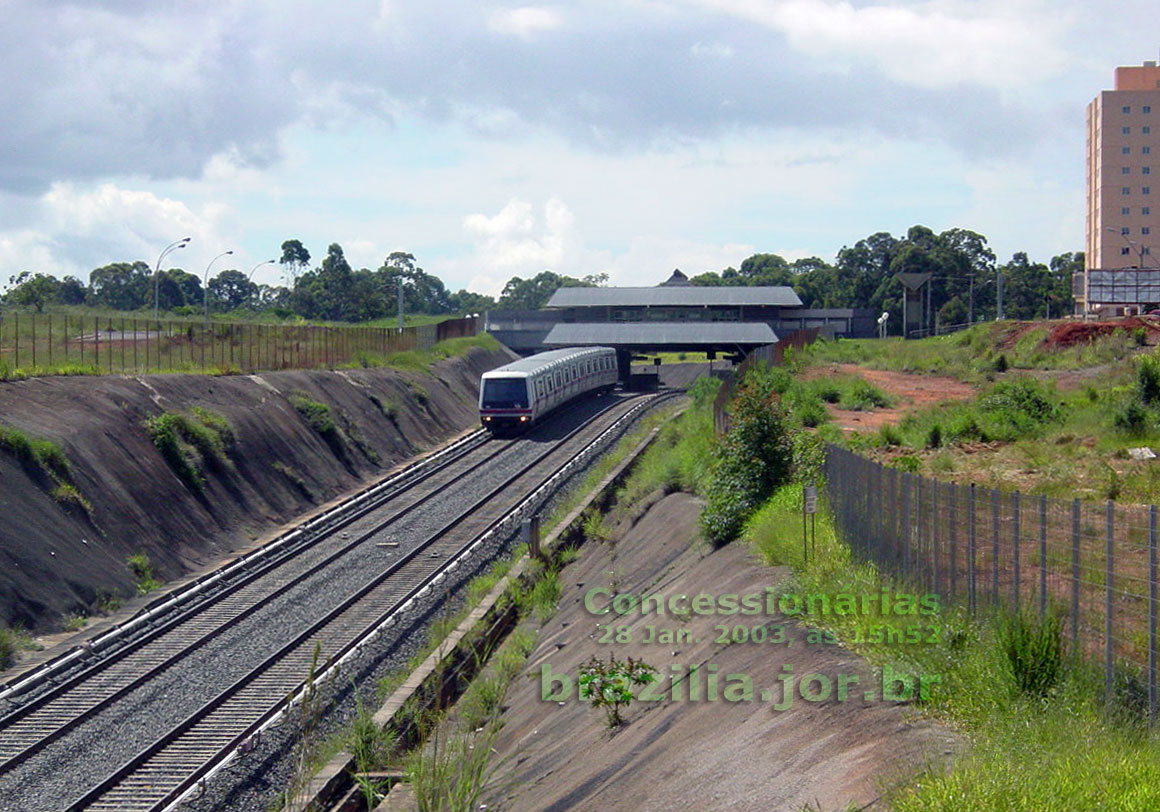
[
  {"x": 1109, "y": 584},
  {"x": 995, "y": 546},
  {"x": 1015, "y": 545},
  {"x": 1152, "y": 597},
  {"x": 954, "y": 558},
  {"x": 1042, "y": 555},
  {"x": 1075, "y": 509},
  {"x": 971, "y": 541},
  {"x": 934, "y": 551}
]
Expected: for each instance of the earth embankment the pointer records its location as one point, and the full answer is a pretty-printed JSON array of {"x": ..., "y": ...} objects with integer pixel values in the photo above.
[{"x": 293, "y": 440}]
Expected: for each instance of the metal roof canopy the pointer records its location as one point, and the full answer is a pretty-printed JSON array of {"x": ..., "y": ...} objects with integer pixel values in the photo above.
[
  {"x": 663, "y": 336},
  {"x": 676, "y": 296}
]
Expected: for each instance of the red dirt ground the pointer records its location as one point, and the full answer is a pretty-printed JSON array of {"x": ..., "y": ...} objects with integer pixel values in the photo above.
[{"x": 908, "y": 392}]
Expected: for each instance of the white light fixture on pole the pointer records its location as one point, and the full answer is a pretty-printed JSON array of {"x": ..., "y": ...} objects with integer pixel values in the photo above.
[
  {"x": 173, "y": 246},
  {"x": 205, "y": 292}
]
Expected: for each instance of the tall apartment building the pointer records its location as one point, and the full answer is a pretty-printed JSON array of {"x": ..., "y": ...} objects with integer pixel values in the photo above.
[{"x": 1123, "y": 194}]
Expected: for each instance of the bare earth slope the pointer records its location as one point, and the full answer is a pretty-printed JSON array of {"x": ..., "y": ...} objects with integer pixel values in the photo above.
[
  {"x": 56, "y": 559},
  {"x": 705, "y": 755}
]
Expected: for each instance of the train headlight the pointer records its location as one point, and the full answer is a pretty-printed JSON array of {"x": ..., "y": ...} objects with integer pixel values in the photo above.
[
  {"x": 487, "y": 419},
  {"x": 523, "y": 418}
]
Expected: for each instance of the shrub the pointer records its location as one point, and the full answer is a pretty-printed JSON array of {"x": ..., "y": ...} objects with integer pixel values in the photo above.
[
  {"x": 1148, "y": 379},
  {"x": 1001, "y": 363},
  {"x": 753, "y": 459},
  {"x": 315, "y": 414},
  {"x": 1034, "y": 651},
  {"x": 890, "y": 435},
  {"x": 609, "y": 685},
  {"x": 1131, "y": 418},
  {"x": 934, "y": 436},
  {"x": 865, "y": 396},
  {"x": 142, "y": 570}
]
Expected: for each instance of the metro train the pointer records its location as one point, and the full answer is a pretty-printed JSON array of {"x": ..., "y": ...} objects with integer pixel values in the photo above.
[{"x": 520, "y": 394}]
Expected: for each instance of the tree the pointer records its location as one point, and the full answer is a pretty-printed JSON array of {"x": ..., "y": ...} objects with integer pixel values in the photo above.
[
  {"x": 295, "y": 259},
  {"x": 121, "y": 285},
  {"x": 33, "y": 290},
  {"x": 72, "y": 291},
  {"x": 325, "y": 293},
  {"x": 534, "y": 293},
  {"x": 422, "y": 292},
  {"x": 465, "y": 302},
  {"x": 230, "y": 290},
  {"x": 178, "y": 288}
]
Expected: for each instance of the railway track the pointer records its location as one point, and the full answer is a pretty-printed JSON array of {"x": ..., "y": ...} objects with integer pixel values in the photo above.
[{"x": 189, "y": 747}]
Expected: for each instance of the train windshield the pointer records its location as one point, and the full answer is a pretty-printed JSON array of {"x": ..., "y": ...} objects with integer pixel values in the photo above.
[{"x": 505, "y": 393}]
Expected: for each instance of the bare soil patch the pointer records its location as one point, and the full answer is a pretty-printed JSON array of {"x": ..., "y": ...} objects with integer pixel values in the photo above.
[
  {"x": 682, "y": 754},
  {"x": 908, "y": 391}
]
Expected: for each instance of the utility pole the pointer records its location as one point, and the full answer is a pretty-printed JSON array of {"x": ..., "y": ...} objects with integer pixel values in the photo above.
[
  {"x": 999, "y": 295},
  {"x": 399, "y": 298}
]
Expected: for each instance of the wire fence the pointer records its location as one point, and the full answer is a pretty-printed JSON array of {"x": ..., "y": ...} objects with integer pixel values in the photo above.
[
  {"x": 1094, "y": 564},
  {"x": 53, "y": 343}
]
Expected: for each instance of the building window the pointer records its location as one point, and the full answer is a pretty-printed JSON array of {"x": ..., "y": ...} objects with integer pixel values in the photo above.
[
  {"x": 1126, "y": 110},
  {"x": 1126, "y": 190},
  {"x": 1125, "y": 210},
  {"x": 1147, "y": 170},
  {"x": 1147, "y": 109},
  {"x": 1125, "y": 150},
  {"x": 1146, "y": 250},
  {"x": 1146, "y": 230},
  {"x": 1146, "y": 150},
  {"x": 1125, "y": 130},
  {"x": 1124, "y": 251},
  {"x": 1146, "y": 130},
  {"x": 1124, "y": 230},
  {"x": 1125, "y": 170},
  {"x": 1146, "y": 211},
  {"x": 1146, "y": 190}
]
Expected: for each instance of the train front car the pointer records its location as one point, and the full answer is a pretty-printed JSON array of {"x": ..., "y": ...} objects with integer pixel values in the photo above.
[
  {"x": 519, "y": 394},
  {"x": 505, "y": 404}
]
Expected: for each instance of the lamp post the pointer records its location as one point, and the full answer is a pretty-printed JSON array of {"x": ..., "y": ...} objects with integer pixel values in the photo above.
[
  {"x": 259, "y": 265},
  {"x": 173, "y": 246},
  {"x": 205, "y": 293},
  {"x": 251, "y": 276}
]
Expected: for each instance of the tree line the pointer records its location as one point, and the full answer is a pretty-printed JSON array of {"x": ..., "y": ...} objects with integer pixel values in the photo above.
[
  {"x": 964, "y": 283},
  {"x": 965, "y": 277}
]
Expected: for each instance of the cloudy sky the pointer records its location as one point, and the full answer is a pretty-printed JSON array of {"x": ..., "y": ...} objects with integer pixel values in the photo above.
[{"x": 491, "y": 140}]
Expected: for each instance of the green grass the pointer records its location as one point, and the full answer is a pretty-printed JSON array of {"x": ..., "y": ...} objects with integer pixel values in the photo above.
[
  {"x": 189, "y": 444},
  {"x": 970, "y": 355},
  {"x": 1028, "y": 747}
]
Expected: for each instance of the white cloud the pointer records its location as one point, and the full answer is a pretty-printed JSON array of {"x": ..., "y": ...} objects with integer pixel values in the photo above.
[
  {"x": 512, "y": 241},
  {"x": 927, "y": 45},
  {"x": 525, "y": 21}
]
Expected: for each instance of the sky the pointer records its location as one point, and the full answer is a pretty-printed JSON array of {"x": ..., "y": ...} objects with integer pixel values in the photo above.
[{"x": 495, "y": 140}]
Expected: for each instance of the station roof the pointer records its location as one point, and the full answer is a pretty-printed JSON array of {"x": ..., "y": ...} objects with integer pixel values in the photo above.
[
  {"x": 676, "y": 296},
  {"x": 657, "y": 335}
]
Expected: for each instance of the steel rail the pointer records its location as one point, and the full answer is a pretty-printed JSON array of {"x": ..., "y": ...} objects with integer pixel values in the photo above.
[
  {"x": 306, "y": 533},
  {"x": 229, "y": 718},
  {"x": 87, "y": 692}
]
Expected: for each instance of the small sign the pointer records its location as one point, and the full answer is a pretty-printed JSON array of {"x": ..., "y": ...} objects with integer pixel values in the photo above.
[{"x": 810, "y": 499}]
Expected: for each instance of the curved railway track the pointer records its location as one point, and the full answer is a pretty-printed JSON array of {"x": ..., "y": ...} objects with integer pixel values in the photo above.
[{"x": 190, "y": 746}]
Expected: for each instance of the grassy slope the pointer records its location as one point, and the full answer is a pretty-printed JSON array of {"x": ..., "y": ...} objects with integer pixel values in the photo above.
[
  {"x": 1059, "y": 751},
  {"x": 1081, "y": 452}
]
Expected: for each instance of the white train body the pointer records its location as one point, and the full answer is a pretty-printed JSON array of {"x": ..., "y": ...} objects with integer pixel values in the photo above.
[{"x": 520, "y": 394}]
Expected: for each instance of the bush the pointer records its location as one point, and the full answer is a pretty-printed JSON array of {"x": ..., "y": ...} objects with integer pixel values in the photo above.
[
  {"x": 934, "y": 436},
  {"x": 1131, "y": 418},
  {"x": 187, "y": 442},
  {"x": 1034, "y": 651},
  {"x": 1148, "y": 379},
  {"x": 864, "y": 396},
  {"x": 890, "y": 435},
  {"x": 752, "y": 460},
  {"x": 142, "y": 570}
]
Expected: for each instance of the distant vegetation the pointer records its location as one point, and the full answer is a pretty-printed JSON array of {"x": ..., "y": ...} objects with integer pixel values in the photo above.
[{"x": 965, "y": 283}]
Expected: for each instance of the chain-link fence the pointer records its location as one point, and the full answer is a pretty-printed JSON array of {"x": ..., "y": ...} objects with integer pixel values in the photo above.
[
  {"x": 1094, "y": 564},
  {"x": 55, "y": 343}
]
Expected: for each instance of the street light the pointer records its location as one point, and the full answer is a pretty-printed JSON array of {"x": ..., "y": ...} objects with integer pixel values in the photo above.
[
  {"x": 1140, "y": 251},
  {"x": 205, "y": 294},
  {"x": 173, "y": 246},
  {"x": 259, "y": 265}
]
